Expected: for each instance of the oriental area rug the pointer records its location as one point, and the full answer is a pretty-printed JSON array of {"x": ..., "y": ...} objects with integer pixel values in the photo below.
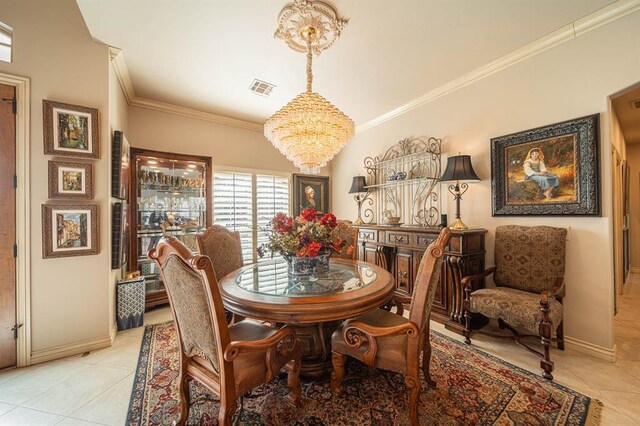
[{"x": 474, "y": 388}]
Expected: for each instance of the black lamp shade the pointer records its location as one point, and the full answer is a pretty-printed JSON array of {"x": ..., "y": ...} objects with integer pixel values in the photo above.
[
  {"x": 358, "y": 185},
  {"x": 459, "y": 168}
]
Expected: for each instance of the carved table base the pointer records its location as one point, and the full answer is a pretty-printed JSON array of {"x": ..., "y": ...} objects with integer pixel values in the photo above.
[{"x": 315, "y": 344}]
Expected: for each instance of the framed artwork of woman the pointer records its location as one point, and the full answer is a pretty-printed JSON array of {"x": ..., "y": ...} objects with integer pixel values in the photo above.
[
  {"x": 551, "y": 170},
  {"x": 310, "y": 191}
]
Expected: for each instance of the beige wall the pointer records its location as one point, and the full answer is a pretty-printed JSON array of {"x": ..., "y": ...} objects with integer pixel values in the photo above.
[
  {"x": 633, "y": 159},
  {"x": 118, "y": 120},
  {"x": 571, "y": 80},
  {"x": 54, "y": 49},
  {"x": 227, "y": 146}
]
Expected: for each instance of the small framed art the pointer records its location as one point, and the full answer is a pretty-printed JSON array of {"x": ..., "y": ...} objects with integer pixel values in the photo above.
[
  {"x": 70, "y": 180},
  {"x": 310, "y": 191},
  {"x": 70, "y": 130},
  {"x": 551, "y": 170},
  {"x": 69, "y": 230},
  {"x": 120, "y": 166}
]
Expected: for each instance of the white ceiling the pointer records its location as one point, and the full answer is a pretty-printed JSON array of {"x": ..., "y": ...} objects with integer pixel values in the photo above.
[{"x": 204, "y": 54}]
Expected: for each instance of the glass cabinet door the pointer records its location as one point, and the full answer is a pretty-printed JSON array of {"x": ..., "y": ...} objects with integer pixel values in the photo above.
[{"x": 171, "y": 201}]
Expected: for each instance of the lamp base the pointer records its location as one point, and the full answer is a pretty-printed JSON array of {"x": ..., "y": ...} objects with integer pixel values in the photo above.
[
  {"x": 358, "y": 221},
  {"x": 458, "y": 225}
]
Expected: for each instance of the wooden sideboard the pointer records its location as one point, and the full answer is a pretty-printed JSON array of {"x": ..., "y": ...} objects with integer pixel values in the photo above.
[{"x": 399, "y": 250}]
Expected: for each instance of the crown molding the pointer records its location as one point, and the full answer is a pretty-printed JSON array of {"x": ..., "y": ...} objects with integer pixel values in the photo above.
[
  {"x": 568, "y": 32},
  {"x": 194, "y": 113},
  {"x": 122, "y": 73}
]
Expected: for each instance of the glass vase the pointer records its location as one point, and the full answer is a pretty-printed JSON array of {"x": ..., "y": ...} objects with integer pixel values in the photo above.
[{"x": 306, "y": 266}]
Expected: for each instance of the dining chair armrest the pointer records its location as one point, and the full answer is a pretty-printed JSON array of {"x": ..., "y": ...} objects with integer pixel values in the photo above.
[
  {"x": 356, "y": 333},
  {"x": 466, "y": 281},
  {"x": 283, "y": 342}
]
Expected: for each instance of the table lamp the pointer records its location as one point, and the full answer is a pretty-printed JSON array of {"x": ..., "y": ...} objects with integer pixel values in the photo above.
[
  {"x": 458, "y": 168},
  {"x": 358, "y": 187}
]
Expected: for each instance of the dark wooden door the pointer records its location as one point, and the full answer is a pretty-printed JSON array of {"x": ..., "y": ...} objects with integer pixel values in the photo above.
[{"x": 8, "y": 227}]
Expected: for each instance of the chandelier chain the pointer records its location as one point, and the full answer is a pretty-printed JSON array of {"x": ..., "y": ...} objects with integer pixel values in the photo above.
[{"x": 309, "y": 65}]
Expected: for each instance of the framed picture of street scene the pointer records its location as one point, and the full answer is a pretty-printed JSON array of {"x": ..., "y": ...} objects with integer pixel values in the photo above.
[
  {"x": 68, "y": 180},
  {"x": 69, "y": 230},
  {"x": 70, "y": 130},
  {"x": 551, "y": 170}
]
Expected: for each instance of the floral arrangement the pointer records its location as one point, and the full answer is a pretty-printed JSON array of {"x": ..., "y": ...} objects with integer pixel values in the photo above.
[{"x": 303, "y": 236}]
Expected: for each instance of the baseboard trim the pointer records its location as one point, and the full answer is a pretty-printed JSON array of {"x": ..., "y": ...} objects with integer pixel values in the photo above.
[
  {"x": 600, "y": 352},
  {"x": 63, "y": 351},
  {"x": 113, "y": 332}
]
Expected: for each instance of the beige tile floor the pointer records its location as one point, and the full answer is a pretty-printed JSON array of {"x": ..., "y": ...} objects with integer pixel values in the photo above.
[{"x": 95, "y": 388}]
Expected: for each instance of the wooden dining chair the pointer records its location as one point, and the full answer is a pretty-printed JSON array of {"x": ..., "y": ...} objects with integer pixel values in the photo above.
[
  {"x": 392, "y": 342},
  {"x": 223, "y": 247},
  {"x": 348, "y": 233},
  {"x": 227, "y": 360}
]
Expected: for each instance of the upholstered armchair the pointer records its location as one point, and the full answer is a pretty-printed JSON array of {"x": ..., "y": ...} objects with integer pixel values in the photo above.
[
  {"x": 346, "y": 232},
  {"x": 392, "y": 342},
  {"x": 228, "y": 360},
  {"x": 529, "y": 278}
]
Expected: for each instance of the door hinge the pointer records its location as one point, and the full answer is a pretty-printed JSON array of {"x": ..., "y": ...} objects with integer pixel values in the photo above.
[
  {"x": 15, "y": 181},
  {"x": 15, "y": 250},
  {"x": 15, "y": 329}
]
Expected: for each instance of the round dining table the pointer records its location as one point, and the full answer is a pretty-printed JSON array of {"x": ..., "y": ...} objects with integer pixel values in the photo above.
[{"x": 313, "y": 305}]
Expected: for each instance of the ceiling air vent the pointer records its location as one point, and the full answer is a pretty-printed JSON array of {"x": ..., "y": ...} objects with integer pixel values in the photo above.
[
  {"x": 635, "y": 104},
  {"x": 261, "y": 88}
]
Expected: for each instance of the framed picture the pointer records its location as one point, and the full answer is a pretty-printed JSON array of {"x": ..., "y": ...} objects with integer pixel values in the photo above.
[
  {"x": 310, "y": 191},
  {"x": 551, "y": 170},
  {"x": 69, "y": 230},
  {"x": 120, "y": 159},
  {"x": 69, "y": 180},
  {"x": 120, "y": 236},
  {"x": 70, "y": 130}
]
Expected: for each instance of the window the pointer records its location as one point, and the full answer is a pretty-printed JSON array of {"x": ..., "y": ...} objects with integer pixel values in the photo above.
[
  {"x": 6, "y": 37},
  {"x": 246, "y": 202}
]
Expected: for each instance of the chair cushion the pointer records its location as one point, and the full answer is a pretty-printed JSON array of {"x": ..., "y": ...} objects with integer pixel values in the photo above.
[
  {"x": 392, "y": 350},
  {"x": 520, "y": 309}
]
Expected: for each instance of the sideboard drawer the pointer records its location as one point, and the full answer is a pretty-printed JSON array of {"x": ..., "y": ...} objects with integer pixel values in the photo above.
[
  {"x": 367, "y": 235},
  {"x": 400, "y": 238},
  {"x": 423, "y": 240}
]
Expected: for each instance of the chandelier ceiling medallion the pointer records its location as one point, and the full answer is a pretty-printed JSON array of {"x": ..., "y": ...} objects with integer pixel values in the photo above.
[{"x": 309, "y": 130}]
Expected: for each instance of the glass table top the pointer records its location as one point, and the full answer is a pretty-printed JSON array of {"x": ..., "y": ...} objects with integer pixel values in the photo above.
[{"x": 271, "y": 278}]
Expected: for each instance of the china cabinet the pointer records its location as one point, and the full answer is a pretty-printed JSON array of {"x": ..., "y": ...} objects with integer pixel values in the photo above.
[{"x": 171, "y": 197}]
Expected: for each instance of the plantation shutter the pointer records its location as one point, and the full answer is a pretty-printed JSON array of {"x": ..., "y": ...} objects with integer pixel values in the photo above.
[
  {"x": 272, "y": 196},
  {"x": 233, "y": 207}
]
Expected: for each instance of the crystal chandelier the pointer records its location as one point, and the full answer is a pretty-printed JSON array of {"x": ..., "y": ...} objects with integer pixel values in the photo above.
[{"x": 309, "y": 130}]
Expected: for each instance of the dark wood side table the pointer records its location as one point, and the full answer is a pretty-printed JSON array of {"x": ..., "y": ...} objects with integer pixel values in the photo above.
[{"x": 399, "y": 249}]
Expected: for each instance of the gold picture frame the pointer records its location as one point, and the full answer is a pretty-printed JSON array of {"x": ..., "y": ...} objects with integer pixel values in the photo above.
[
  {"x": 71, "y": 130},
  {"x": 69, "y": 230},
  {"x": 70, "y": 180}
]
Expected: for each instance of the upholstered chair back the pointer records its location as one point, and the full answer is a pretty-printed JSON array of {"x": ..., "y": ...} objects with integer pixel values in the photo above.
[
  {"x": 195, "y": 300},
  {"x": 530, "y": 258},
  {"x": 427, "y": 280},
  {"x": 346, "y": 232},
  {"x": 223, "y": 247}
]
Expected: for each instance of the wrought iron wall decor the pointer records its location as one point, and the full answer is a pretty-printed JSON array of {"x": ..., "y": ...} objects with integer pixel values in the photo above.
[{"x": 405, "y": 179}]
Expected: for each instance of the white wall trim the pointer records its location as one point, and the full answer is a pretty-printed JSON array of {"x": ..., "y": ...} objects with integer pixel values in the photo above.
[
  {"x": 23, "y": 213},
  {"x": 122, "y": 73},
  {"x": 600, "y": 352},
  {"x": 63, "y": 351},
  {"x": 570, "y": 31}
]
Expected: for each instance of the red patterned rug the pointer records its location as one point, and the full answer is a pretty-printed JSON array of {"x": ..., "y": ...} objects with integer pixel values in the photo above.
[{"x": 474, "y": 388}]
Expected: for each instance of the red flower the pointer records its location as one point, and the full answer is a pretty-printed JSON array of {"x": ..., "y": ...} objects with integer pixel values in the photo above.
[
  {"x": 309, "y": 214},
  {"x": 350, "y": 250},
  {"x": 313, "y": 249},
  {"x": 329, "y": 220},
  {"x": 282, "y": 223},
  {"x": 337, "y": 246}
]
